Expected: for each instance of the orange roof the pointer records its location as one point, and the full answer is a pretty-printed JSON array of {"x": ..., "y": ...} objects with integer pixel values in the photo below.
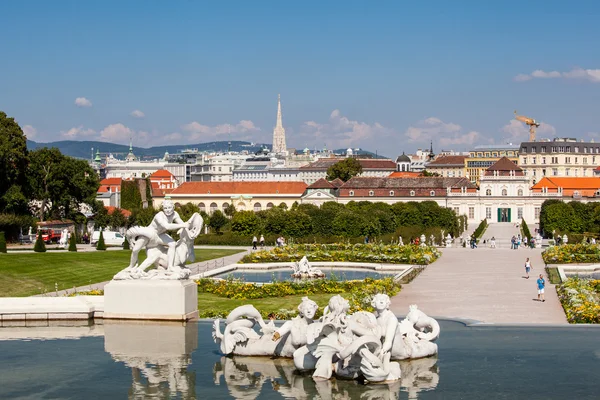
[
  {"x": 585, "y": 186},
  {"x": 322, "y": 184},
  {"x": 110, "y": 181},
  {"x": 405, "y": 174},
  {"x": 162, "y": 173},
  {"x": 111, "y": 209},
  {"x": 240, "y": 188}
]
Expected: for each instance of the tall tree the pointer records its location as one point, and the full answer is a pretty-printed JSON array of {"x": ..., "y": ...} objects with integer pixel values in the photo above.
[
  {"x": 345, "y": 169},
  {"x": 13, "y": 164},
  {"x": 60, "y": 183},
  {"x": 217, "y": 221}
]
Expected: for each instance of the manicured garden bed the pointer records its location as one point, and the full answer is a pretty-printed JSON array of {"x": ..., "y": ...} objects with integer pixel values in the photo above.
[
  {"x": 374, "y": 253},
  {"x": 580, "y": 299},
  {"x": 572, "y": 253}
]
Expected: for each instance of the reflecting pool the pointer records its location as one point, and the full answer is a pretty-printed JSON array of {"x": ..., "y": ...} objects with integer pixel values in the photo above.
[
  {"x": 285, "y": 274},
  {"x": 120, "y": 360}
]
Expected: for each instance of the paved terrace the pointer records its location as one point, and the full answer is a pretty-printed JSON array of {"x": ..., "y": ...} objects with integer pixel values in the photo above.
[{"x": 483, "y": 284}]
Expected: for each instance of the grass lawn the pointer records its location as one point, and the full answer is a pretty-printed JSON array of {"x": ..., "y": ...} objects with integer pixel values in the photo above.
[
  {"x": 36, "y": 273},
  {"x": 210, "y": 301}
]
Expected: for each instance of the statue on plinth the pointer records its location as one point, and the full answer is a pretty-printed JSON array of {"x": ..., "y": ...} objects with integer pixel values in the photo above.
[
  {"x": 64, "y": 239},
  {"x": 302, "y": 269},
  {"x": 361, "y": 345},
  {"x": 169, "y": 256}
]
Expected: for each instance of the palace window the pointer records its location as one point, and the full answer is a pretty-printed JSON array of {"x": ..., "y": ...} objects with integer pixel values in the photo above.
[
  {"x": 391, "y": 193},
  {"x": 554, "y": 171},
  {"x": 567, "y": 171},
  {"x": 456, "y": 210},
  {"x": 412, "y": 192},
  {"x": 257, "y": 207},
  {"x": 543, "y": 150},
  {"x": 537, "y": 212},
  {"x": 269, "y": 206},
  {"x": 488, "y": 212},
  {"x": 520, "y": 192},
  {"x": 351, "y": 193},
  {"x": 371, "y": 193},
  {"x": 488, "y": 192},
  {"x": 525, "y": 160},
  {"x": 202, "y": 207},
  {"x": 504, "y": 192},
  {"x": 224, "y": 206},
  {"x": 520, "y": 213},
  {"x": 432, "y": 193},
  {"x": 213, "y": 207},
  {"x": 471, "y": 212}
]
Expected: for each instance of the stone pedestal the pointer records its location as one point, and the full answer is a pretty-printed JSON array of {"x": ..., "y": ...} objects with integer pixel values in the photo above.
[{"x": 175, "y": 300}]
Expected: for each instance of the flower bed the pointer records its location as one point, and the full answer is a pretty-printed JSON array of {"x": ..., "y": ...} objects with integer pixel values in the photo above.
[
  {"x": 358, "y": 293},
  {"x": 572, "y": 253},
  {"x": 375, "y": 253},
  {"x": 580, "y": 299}
]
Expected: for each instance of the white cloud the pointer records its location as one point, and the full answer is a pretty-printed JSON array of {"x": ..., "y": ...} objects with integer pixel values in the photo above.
[
  {"x": 517, "y": 131},
  {"x": 82, "y": 102},
  {"x": 116, "y": 133},
  {"x": 591, "y": 75},
  {"x": 137, "y": 114},
  {"x": 340, "y": 131},
  {"x": 29, "y": 131},
  {"x": 199, "y": 132},
  {"x": 76, "y": 132},
  {"x": 442, "y": 133}
]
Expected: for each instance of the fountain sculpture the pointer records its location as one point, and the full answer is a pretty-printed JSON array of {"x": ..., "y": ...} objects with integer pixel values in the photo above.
[
  {"x": 303, "y": 269},
  {"x": 361, "y": 345}
]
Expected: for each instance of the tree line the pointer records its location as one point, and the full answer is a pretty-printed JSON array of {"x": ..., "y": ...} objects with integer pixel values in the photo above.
[{"x": 572, "y": 217}]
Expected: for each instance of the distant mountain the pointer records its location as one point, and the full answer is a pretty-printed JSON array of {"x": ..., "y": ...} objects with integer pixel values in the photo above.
[{"x": 84, "y": 149}]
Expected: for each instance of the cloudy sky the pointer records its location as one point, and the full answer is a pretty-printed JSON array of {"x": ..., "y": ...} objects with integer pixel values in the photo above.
[{"x": 385, "y": 76}]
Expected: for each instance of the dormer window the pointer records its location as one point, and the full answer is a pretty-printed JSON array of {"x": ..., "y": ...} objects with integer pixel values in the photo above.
[
  {"x": 351, "y": 193},
  {"x": 391, "y": 193},
  {"x": 432, "y": 193},
  {"x": 371, "y": 193},
  {"x": 412, "y": 192}
]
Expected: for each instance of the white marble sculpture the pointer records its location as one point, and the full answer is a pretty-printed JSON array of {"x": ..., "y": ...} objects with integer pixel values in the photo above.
[
  {"x": 64, "y": 239},
  {"x": 169, "y": 256},
  {"x": 351, "y": 346},
  {"x": 400, "y": 242},
  {"x": 448, "y": 241},
  {"x": 303, "y": 269}
]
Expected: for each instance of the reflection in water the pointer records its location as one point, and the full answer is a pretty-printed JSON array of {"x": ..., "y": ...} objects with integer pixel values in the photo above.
[
  {"x": 158, "y": 355},
  {"x": 245, "y": 378}
]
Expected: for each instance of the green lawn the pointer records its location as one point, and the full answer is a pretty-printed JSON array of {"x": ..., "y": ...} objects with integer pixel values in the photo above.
[
  {"x": 35, "y": 273},
  {"x": 210, "y": 301}
]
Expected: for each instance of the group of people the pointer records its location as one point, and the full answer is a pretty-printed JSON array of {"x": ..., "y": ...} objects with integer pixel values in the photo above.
[
  {"x": 255, "y": 242},
  {"x": 541, "y": 282},
  {"x": 517, "y": 241}
]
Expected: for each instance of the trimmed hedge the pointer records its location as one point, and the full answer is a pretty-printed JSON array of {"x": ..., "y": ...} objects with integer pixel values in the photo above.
[
  {"x": 73, "y": 242},
  {"x": 525, "y": 230},
  {"x": 101, "y": 245},
  {"x": 40, "y": 246},
  {"x": 480, "y": 229}
]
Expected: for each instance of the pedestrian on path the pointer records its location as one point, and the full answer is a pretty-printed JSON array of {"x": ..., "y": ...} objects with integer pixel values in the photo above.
[
  {"x": 254, "y": 242},
  {"x": 527, "y": 268},
  {"x": 541, "y": 285},
  {"x": 525, "y": 241},
  {"x": 493, "y": 242},
  {"x": 262, "y": 241}
]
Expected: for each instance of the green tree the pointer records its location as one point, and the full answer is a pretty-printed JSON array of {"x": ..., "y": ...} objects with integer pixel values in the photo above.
[
  {"x": 298, "y": 224},
  {"x": 561, "y": 217},
  {"x": 73, "y": 242},
  {"x": 230, "y": 210},
  {"x": 101, "y": 217},
  {"x": 117, "y": 219},
  {"x": 39, "y": 246},
  {"x": 187, "y": 210},
  {"x": 407, "y": 214},
  {"x": 101, "y": 245},
  {"x": 143, "y": 216},
  {"x": 13, "y": 164},
  {"x": 345, "y": 169},
  {"x": 543, "y": 211},
  {"x": 427, "y": 173},
  {"x": 60, "y": 183},
  {"x": 2, "y": 243},
  {"x": 217, "y": 221},
  {"x": 349, "y": 224},
  {"x": 245, "y": 223}
]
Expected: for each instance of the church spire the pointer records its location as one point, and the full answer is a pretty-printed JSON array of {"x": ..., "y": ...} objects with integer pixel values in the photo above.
[{"x": 279, "y": 145}]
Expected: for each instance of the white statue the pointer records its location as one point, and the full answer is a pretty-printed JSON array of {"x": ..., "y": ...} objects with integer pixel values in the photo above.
[
  {"x": 422, "y": 240},
  {"x": 400, "y": 242},
  {"x": 360, "y": 345},
  {"x": 64, "y": 238},
  {"x": 169, "y": 256},
  {"x": 303, "y": 269},
  {"x": 448, "y": 241}
]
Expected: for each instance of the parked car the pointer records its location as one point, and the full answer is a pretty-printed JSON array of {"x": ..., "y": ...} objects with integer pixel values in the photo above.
[{"x": 110, "y": 238}]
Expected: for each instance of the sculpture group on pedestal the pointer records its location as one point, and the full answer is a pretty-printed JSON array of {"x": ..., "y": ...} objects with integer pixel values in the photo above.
[
  {"x": 361, "y": 345},
  {"x": 303, "y": 269},
  {"x": 162, "y": 251}
]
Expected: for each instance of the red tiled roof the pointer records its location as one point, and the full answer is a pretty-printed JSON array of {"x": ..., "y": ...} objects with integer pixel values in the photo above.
[
  {"x": 421, "y": 182},
  {"x": 337, "y": 182},
  {"x": 321, "y": 184},
  {"x": 111, "y": 209},
  {"x": 110, "y": 181},
  {"x": 162, "y": 173},
  {"x": 240, "y": 188},
  {"x": 504, "y": 164},
  {"x": 405, "y": 174},
  {"x": 448, "y": 160}
]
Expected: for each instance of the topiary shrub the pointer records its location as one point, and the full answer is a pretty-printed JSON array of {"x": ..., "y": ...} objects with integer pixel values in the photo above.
[
  {"x": 73, "y": 242},
  {"x": 2, "y": 243},
  {"x": 101, "y": 245},
  {"x": 126, "y": 244},
  {"x": 40, "y": 246}
]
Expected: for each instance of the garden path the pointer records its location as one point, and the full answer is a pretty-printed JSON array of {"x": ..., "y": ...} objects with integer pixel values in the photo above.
[{"x": 483, "y": 284}]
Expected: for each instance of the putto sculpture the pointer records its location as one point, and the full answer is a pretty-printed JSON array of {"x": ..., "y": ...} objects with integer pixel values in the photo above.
[
  {"x": 302, "y": 269},
  {"x": 361, "y": 345},
  {"x": 169, "y": 256}
]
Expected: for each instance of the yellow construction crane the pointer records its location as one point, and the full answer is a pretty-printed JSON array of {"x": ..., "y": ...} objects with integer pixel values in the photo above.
[{"x": 532, "y": 125}]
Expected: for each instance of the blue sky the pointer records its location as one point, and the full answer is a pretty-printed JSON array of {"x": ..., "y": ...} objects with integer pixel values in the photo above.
[{"x": 385, "y": 76}]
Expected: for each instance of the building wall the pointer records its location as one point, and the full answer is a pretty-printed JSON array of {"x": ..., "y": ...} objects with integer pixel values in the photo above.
[{"x": 241, "y": 202}]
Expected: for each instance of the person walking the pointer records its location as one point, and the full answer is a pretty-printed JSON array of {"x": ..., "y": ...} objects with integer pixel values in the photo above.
[
  {"x": 527, "y": 268},
  {"x": 541, "y": 283},
  {"x": 493, "y": 242},
  {"x": 262, "y": 241},
  {"x": 512, "y": 243},
  {"x": 525, "y": 241},
  {"x": 254, "y": 242}
]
